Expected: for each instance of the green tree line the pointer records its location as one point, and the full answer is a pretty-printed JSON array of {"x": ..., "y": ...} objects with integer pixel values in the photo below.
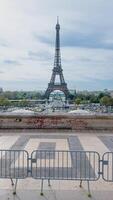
[
  {"x": 102, "y": 99},
  {"x": 77, "y": 98}
]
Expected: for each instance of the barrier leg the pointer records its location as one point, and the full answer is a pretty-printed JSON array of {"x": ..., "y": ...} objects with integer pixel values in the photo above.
[
  {"x": 49, "y": 183},
  {"x": 12, "y": 183},
  {"x": 15, "y": 186},
  {"x": 41, "y": 193},
  {"x": 89, "y": 193},
  {"x": 80, "y": 184}
]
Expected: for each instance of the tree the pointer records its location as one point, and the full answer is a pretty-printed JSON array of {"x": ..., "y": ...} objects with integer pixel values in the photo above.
[
  {"x": 23, "y": 103},
  {"x": 77, "y": 101},
  {"x": 71, "y": 96},
  {"x": 94, "y": 99},
  {"x": 4, "y": 101},
  {"x": 106, "y": 101},
  {"x": 101, "y": 94}
]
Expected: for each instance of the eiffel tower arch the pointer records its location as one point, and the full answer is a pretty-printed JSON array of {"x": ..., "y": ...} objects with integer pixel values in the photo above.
[{"x": 57, "y": 69}]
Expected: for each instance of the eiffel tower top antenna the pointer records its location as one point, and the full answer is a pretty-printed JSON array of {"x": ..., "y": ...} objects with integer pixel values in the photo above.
[
  {"x": 57, "y": 59},
  {"x": 57, "y": 19}
]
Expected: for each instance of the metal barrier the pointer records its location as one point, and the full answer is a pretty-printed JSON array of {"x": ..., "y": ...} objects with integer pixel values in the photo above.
[
  {"x": 14, "y": 165},
  {"x": 55, "y": 165},
  {"x": 107, "y": 166},
  {"x": 65, "y": 165}
]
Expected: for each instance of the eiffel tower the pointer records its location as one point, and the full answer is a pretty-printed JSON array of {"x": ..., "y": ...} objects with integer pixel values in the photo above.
[{"x": 57, "y": 69}]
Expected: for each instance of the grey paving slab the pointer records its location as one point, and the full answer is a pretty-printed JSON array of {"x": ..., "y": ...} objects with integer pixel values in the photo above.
[
  {"x": 20, "y": 143},
  {"x": 76, "y": 194},
  {"x": 74, "y": 143},
  {"x": 80, "y": 161},
  {"x": 108, "y": 141},
  {"x": 11, "y": 157},
  {"x": 49, "y": 146},
  {"x": 50, "y": 136}
]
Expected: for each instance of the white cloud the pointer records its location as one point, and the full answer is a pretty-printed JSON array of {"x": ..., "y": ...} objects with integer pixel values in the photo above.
[{"x": 21, "y": 20}]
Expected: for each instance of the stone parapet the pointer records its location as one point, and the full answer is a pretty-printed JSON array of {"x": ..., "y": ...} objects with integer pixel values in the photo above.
[{"x": 93, "y": 122}]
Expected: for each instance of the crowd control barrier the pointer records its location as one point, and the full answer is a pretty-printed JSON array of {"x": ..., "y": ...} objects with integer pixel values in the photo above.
[{"x": 55, "y": 165}]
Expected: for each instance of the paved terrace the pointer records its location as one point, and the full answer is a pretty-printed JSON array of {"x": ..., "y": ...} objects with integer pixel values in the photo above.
[{"x": 62, "y": 190}]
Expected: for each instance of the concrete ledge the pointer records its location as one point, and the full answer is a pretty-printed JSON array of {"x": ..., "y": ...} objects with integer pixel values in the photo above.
[{"x": 78, "y": 122}]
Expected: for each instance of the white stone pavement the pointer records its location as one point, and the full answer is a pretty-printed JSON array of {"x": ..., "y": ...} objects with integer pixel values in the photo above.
[{"x": 62, "y": 190}]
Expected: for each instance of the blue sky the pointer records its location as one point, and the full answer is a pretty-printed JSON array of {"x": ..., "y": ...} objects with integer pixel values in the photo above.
[{"x": 27, "y": 38}]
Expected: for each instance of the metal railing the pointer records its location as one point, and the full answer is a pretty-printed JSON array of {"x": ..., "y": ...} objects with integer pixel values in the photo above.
[
  {"x": 55, "y": 165},
  {"x": 14, "y": 165},
  {"x": 65, "y": 165},
  {"x": 107, "y": 166}
]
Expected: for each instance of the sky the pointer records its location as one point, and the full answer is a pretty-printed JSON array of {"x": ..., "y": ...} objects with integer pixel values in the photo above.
[{"x": 27, "y": 40}]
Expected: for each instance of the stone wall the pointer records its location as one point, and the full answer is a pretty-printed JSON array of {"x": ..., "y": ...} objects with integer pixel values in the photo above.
[{"x": 57, "y": 122}]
